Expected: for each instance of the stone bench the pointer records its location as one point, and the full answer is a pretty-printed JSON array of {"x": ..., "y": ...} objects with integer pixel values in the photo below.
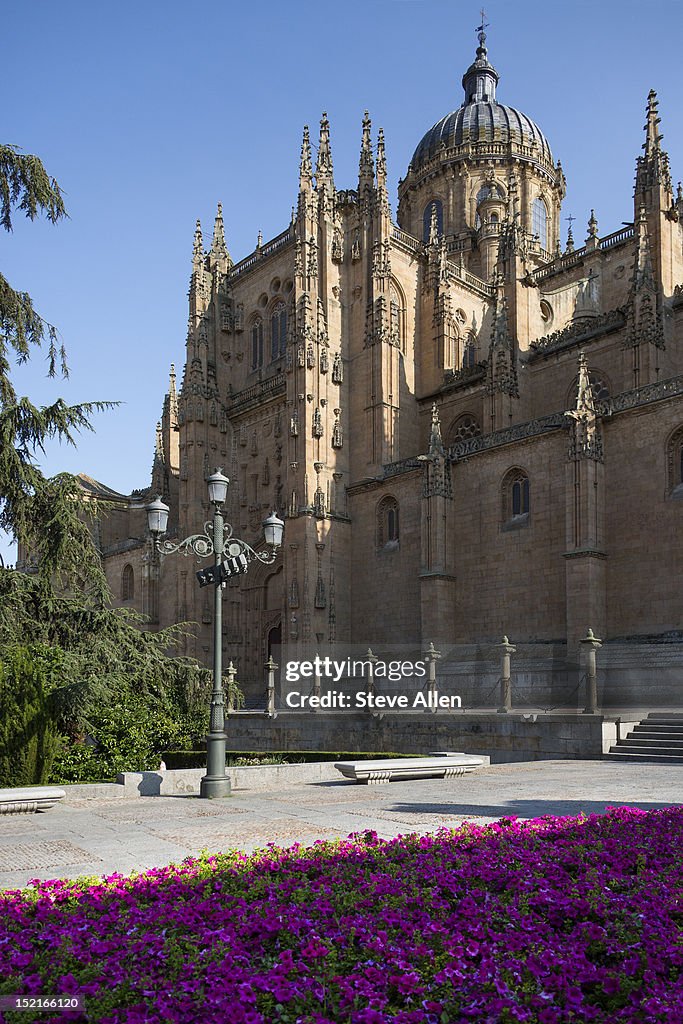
[
  {"x": 29, "y": 798},
  {"x": 436, "y": 766}
]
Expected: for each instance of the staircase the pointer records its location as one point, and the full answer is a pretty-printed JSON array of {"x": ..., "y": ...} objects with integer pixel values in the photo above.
[{"x": 658, "y": 738}]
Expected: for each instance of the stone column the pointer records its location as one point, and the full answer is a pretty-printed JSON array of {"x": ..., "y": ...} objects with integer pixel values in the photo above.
[
  {"x": 270, "y": 687},
  {"x": 590, "y": 644}
]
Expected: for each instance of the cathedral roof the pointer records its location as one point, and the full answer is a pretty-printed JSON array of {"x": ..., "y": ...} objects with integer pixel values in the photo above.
[{"x": 482, "y": 119}]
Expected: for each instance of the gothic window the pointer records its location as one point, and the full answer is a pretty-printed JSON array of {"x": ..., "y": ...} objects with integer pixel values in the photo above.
[
  {"x": 674, "y": 461},
  {"x": 278, "y": 331},
  {"x": 494, "y": 218},
  {"x": 469, "y": 355},
  {"x": 397, "y": 316},
  {"x": 127, "y": 583},
  {"x": 427, "y": 218},
  {"x": 387, "y": 524},
  {"x": 539, "y": 222},
  {"x": 464, "y": 428},
  {"x": 515, "y": 499},
  {"x": 256, "y": 333}
]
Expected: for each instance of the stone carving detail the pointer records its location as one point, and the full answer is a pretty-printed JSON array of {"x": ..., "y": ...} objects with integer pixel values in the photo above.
[
  {"x": 337, "y": 434},
  {"x": 223, "y": 427},
  {"x": 294, "y": 424},
  {"x": 337, "y": 247},
  {"x": 337, "y": 369},
  {"x": 312, "y": 263},
  {"x": 213, "y": 415},
  {"x": 317, "y": 425},
  {"x": 301, "y": 355},
  {"x": 266, "y": 473},
  {"x": 437, "y": 471},
  {"x": 310, "y": 356},
  {"x": 644, "y": 314},
  {"x": 502, "y": 370},
  {"x": 254, "y": 443},
  {"x": 581, "y": 331},
  {"x": 324, "y": 360},
  {"x": 355, "y": 249},
  {"x": 585, "y": 440}
]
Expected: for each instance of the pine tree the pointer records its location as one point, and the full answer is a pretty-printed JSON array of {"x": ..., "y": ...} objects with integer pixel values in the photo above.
[{"x": 45, "y": 515}]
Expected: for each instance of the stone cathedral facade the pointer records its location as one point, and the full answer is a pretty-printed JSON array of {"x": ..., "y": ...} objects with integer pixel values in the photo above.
[{"x": 469, "y": 427}]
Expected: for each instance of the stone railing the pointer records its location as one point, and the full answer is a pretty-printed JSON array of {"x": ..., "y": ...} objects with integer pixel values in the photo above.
[
  {"x": 463, "y": 449},
  {"x": 403, "y": 466},
  {"x": 617, "y": 237},
  {"x": 412, "y": 243},
  {"x": 465, "y": 375},
  {"x": 264, "y": 389},
  {"x": 580, "y": 331},
  {"x": 261, "y": 253},
  {"x": 476, "y": 150}
]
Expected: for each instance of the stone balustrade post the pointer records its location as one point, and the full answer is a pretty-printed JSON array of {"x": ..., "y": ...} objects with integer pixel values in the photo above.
[
  {"x": 431, "y": 656},
  {"x": 506, "y": 649},
  {"x": 270, "y": 667},
  {"x": 591, "y": 644},
  {"x": 231, "y": 672}
]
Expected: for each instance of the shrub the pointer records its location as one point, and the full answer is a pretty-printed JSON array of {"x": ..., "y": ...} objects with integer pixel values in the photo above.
[{"x": 29, "y": 739}]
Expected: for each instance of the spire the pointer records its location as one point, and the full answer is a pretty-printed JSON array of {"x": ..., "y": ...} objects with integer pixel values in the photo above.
[
  {"x": 481, "y": 78},
  {"x": 173, "y": 395},
  {"x": 198, "y": 247},
  {"x": 323, "y": 167},
  {"x": 652, "y": 169},
  {"x": 435, "y": 440},
  {"x": 381, "y": 161},
  {"x": 592, "y": 226},
  {"x": 585, "y": 439},
  {"x": 219, "y": 250},
  {"x": 305, "y": 166},
  {"x": 366, "y": 167},
  {"x": 570, "y": 235}
]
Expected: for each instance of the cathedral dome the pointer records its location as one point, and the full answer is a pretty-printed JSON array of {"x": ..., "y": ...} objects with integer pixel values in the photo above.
[{"x": 482, "y": 121}]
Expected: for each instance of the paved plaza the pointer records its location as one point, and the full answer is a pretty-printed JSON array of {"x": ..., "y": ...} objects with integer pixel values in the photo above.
[{"x": 101, "y": 836}]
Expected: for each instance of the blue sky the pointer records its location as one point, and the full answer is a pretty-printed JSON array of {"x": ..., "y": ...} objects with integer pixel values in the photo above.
[{"x": 150, "y": 113}]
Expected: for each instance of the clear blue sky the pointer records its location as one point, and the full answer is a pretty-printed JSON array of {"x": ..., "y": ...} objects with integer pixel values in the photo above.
[{"x": 148, "y": 113}]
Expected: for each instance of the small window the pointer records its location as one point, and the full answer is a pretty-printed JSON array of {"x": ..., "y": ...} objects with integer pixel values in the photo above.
[
  {"x": 546, "y": 312},
  {"x": 387, "y": 524},
  {"x": 278, "y": 331},
  {"x": 515, "y": 499},
  {"x": 539, "y": 222},
  {"x": 427, "y": 219},
  {"x": 257, "y": 343},
  {"x": 127, "y": 583}
]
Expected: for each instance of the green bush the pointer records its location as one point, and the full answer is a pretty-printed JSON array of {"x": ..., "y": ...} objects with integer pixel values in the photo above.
[{"x": 29, "y": 739}]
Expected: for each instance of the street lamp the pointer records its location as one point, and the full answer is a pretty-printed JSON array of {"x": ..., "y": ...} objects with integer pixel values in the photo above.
[{"x": 231, "y": 556}]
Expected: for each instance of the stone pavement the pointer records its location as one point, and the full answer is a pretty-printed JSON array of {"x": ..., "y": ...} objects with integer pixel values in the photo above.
[{"x": 101, "y": 836}]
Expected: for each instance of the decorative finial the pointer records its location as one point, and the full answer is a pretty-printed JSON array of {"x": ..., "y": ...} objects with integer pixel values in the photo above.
[
  {"x": 323, "y": 167},
  {"x": 570, "y": 234},
  {"x": 592, "y": 226},
  {"x": 259, "y": 239},
  {"x": 305, "y": 166},
  {"x": 366, "y": 167}
]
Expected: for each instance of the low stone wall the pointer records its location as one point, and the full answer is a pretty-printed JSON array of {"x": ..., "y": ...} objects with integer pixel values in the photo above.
[{"x": 512, "y": 737}]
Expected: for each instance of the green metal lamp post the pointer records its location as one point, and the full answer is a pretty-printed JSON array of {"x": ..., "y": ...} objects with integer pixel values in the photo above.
[{"x": 231, "y": 556}]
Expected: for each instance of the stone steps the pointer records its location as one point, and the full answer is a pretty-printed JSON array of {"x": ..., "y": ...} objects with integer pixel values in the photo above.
[{"x": 658, "y": 738}]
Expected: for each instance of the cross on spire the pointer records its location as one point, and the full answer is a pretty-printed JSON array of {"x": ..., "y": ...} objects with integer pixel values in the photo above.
[
  {"x": 571, "y": 220},
  {"x": 481, "y": 29}
]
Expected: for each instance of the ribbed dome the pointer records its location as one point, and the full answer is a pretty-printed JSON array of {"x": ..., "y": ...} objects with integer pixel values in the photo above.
[
  {"x": 484, "y": 121},
  {"x": 481, "y": 118}
]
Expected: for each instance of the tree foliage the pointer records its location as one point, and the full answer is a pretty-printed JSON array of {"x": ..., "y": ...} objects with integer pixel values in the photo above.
[
  {"x": 116, "y": 685},
  {"x": 29, "y": 739},
  {"x": 25, "y": 494}
]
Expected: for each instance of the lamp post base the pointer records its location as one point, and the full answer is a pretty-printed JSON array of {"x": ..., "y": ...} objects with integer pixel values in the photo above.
[{"x": 214, "y": 788}]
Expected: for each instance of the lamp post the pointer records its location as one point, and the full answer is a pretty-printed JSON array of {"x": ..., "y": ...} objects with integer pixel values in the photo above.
[{"x": 231, "y": 556}]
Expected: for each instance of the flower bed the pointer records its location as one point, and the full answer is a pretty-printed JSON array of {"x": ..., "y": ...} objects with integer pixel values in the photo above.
[{"x": 551, "y": 921}]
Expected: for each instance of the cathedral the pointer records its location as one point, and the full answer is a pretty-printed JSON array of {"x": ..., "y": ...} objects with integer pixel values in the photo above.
[{"x": 469, "y": 427}]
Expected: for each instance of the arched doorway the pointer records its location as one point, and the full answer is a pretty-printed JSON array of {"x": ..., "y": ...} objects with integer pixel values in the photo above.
[{"x": 274, "y": 642}]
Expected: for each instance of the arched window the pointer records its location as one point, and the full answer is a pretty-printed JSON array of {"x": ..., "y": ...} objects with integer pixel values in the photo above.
[
  {"x": 427, "y": 218},
  {"x": 464, "y": 428},
  {"x": 674, "y": 463},
  {"x": 256, "y": 343},
  {"x": 539, "y": 222},
  {"x": 278, "y": 331},
  {"x": 515, "y": 499},
  {"x": 469, "y": 354},
  {"x": 491, "y": 191},
  {"x": 127, "y": 583},
  {"x": 387, "y": 524}
]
